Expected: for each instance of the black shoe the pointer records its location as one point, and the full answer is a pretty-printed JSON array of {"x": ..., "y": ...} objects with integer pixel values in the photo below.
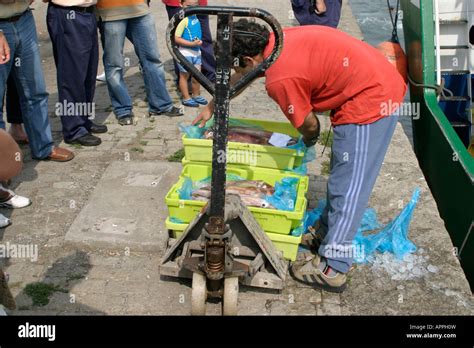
[
  {"x": 126, "y": 120},
  {"x": 98, "y": 128},
  {"x": 173, "y": 112},
  {"x": 85, "y": 140}
]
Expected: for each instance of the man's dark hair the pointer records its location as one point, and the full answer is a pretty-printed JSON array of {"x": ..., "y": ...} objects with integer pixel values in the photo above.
[{"x": 250, "y": 39}]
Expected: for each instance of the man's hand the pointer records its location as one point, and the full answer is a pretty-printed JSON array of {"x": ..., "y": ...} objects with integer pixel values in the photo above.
[
  {"x": 4, "y": 49},
  {"x": 310, "y": 129},
  {"x": 205, "y": 115}
]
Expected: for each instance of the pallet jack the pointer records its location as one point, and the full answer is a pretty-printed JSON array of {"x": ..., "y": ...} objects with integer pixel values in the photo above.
[{"x": 224, "y": 244}]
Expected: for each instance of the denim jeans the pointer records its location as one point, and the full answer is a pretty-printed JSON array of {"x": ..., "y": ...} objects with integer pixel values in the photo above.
[
  {"x": 142, "y": 33},
  {"x": 25, "y": 67}
]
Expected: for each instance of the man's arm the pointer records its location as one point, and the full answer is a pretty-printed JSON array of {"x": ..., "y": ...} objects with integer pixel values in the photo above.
[
  {"x": 310, "y": 130},
  {"x": 4, "y": 49}
]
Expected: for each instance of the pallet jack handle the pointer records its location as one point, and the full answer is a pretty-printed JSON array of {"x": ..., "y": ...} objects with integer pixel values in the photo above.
[{"x": 235, "y": 12}]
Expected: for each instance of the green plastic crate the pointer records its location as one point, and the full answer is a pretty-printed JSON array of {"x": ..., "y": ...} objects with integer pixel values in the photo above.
[
  {"x": 200, "y": 150},
  {"x": 271, "y": 220},
  {"x": 288, "y": 245}
]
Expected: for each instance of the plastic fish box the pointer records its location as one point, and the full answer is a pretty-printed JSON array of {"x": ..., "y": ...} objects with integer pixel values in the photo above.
[
  {"x": 271, "y": 220},
  {"x": 266, "y": 156},
  {"x": 288, "y": 245}
]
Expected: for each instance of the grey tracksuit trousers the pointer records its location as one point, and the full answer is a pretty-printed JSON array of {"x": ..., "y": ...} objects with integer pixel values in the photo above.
[{"x": 357, "y": 155}]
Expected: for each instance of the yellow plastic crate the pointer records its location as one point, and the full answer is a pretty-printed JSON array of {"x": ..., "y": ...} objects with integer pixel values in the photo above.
[
  {"x": 288, "y": 245},
  {"x": 271, "y": 220},
  {"x": 266, "y": 156}
]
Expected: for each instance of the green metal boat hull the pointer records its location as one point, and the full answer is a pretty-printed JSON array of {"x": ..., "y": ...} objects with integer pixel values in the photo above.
[{"x": 445, "y": 161}]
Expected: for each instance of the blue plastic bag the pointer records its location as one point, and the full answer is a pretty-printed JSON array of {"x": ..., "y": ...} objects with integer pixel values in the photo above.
[
  {"x": 192, "y": 132},
  {"x": 309, "y": 156},
  {"x": 186, "y": 191},
  {"x": 176, "y": 220},
  {"x": 310, "y": 218},
  {"x": 309, "y": 152},
  {"x": 284, "y": 197},
  {"x": 393, "y": 238}
]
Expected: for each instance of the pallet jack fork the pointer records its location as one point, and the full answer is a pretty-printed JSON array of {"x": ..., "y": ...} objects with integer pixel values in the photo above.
[{"x": 224, "y": 244}]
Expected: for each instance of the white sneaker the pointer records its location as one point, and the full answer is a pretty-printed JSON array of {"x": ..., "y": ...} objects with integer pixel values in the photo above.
[
  {"x": 4, "y": 221},
  {"x": 15, "y": 202},
  {"x": 101, "y": 77}
]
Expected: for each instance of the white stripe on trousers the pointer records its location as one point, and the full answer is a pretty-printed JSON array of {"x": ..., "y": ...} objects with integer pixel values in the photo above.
[
  {"x": 351, "y": 187},
  {"x": 356, "y": 186},
  {"x": 361, "y": 181}
]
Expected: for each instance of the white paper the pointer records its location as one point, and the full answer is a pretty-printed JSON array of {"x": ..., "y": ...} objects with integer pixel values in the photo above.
[{"x": 279, "y": 139}]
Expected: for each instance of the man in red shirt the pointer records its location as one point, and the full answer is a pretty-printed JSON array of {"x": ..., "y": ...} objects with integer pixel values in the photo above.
[
  {"x": 208, "y": 67},
  {"x": 320, "y": 69}
]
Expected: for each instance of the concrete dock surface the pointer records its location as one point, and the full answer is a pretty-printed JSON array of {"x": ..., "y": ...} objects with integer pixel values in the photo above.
[{"x": 98, "y": 221}]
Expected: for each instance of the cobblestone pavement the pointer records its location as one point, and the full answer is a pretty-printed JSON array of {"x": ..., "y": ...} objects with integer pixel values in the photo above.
[{"x": 115, "y": 281}]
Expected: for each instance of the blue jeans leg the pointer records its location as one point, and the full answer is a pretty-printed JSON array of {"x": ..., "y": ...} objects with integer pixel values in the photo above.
[
  {"x": 358, "y": 152},
  {"x": 142, "y": 33},
  {"x": 27, "y": 73},
  {"x": 113, "y": 38}
]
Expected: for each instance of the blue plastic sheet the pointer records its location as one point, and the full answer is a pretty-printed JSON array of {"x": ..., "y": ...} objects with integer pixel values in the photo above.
[
  {"x": 284, "y": 197},
  {"x": 310, "y": 218},
  {"x": 186, "y": 191},
  {"x": 176, "y": 220},
  {"x": 192, "y": 132},
  {"x": 392, "y": 238},
  {"x": 309, "y": 156}
]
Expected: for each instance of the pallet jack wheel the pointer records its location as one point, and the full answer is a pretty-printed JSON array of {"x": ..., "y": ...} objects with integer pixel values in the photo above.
[
  {"x": 199, "y": 295},
  {"x": 231, "y": 296}
]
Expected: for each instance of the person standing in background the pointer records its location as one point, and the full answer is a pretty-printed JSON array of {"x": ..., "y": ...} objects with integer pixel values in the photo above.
[
  {"x": 132, "y": 19},
  {"x": 72, "y": 27},
  {"x": 188, "y": 36},
  {"x": 20, "y": 56},
  {"x": 208, "y": 67},
  {"x": 317, "y": 12}
]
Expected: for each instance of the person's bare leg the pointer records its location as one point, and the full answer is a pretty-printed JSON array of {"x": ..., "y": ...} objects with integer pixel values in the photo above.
[
  {"x": 196, "y": 88},
  {"x": 183, "y": 85},
  {"x": 320, "y": 7},
  {"x": 18, "y": 133}
]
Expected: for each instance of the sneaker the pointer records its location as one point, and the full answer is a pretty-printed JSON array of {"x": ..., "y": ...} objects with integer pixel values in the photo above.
[
  {"x": 200, "y": 100},
  {"x": 15, "y": 201},
  {"x": 190, "y": 103},
  {"x": 101, "y": 77},
  {"x": 126, "y": 120},
  {"x": 309, "y": 272},
  {"x": 4, "y": 222},
  {"x": 173, "y": 112}
]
